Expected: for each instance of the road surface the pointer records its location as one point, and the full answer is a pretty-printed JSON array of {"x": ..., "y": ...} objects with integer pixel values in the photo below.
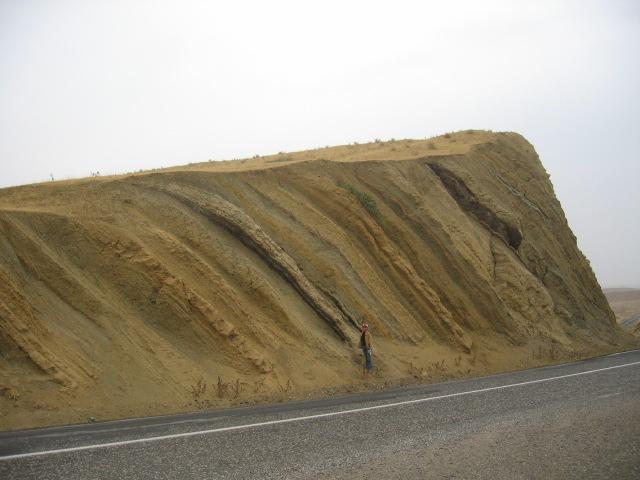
[{"x": 578, "y": 420}]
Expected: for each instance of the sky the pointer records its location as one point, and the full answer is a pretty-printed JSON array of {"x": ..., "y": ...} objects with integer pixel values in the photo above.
[{"x": 118, "y": 86}]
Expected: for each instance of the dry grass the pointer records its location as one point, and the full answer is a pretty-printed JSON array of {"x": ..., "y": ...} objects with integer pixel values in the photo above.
[
  {"x": 355, "y": 152},
  {"x": 417, "y": 372},
  {"x": 199, "y": 389},
  {"x": 11, "y": 393},
  {"x": 233, "y": 389},
  {"x": 286, "y": 388},
  {"x": 438, "y": 366},
  {"x": 258, "y": 386}
]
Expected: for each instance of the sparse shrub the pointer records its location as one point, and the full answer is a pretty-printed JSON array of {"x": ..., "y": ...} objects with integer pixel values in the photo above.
[
  {"x": 431, "y": 146},
  {"x": 364, "y": 198},
  {"x": 447, "y": 135},
  {"x": 258, "y": 385},
  {"x": 416, "y": 372},
  {"x": 377, "y": 140},
  {"x": 10, "y": 392},
  {"x": 438, "y": 365},
  {"x": 232, "y": 389},
  {"x": 237, "y": 388},
  {"x": 199, "y": 388},
  {"x": 286, "y": 388},
  {"x": 221, "y": 388}
]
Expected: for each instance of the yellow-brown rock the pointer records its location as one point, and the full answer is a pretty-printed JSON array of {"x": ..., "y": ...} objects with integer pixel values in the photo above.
[{"x": 222, "y": 282}]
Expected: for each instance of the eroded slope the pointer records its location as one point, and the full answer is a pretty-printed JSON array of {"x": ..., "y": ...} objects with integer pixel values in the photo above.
[{"x": 215, "y": 284}]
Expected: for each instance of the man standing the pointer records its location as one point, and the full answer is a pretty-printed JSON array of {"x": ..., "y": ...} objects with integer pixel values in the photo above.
[{"x": 365, "y": 345}]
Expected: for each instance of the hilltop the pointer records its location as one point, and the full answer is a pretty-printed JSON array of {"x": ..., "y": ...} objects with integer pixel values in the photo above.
[{"x": 220, "y": 283}]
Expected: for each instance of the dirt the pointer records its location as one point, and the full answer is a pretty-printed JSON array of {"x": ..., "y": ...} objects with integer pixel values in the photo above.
[
  {"x": 625, "y": 303},
  {"x": 225, "y": 283}
]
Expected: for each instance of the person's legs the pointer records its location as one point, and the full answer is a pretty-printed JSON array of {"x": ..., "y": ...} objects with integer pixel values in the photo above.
[
  {"x": 365, "y": 352},
  {"x": 368, "y": 359}
]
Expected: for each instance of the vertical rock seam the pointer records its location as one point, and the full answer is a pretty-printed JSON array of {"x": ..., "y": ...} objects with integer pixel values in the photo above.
[{"x": 470, "y": 204}]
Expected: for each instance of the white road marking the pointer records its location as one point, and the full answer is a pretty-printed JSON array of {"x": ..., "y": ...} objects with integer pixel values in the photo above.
[
  {"x": 619, "y": 353},
  {"x": 608, "y": 395},
  {"x": 308, "y": 417}
]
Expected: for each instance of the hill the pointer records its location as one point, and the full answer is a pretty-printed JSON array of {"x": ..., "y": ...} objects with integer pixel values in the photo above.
[
  {"x": 226, "y": 282},
  {"x": 625, "y": 303}
]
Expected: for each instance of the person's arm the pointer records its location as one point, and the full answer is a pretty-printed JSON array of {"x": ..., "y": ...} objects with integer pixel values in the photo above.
[{"x": 369, "y": 344}]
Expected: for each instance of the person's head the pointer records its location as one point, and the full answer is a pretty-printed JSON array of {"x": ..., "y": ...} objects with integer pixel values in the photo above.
[{"x": 364, "y": 327}]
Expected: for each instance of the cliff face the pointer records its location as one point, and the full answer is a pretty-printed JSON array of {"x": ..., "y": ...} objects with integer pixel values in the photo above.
[{"x": 131, "y": 295}]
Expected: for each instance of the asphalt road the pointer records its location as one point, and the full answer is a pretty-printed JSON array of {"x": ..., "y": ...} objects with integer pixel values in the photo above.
[{"x": 578, "y": 420}]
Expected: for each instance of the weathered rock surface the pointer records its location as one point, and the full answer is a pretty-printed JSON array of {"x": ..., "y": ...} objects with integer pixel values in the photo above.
[{"x": 218, "y": 283}]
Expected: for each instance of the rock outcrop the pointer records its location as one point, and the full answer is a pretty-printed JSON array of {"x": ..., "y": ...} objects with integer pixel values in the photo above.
[{"x": 224, "y": 282}]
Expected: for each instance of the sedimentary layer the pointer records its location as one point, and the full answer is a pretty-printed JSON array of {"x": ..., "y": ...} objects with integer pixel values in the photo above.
[{"x": 217, "y": 283}]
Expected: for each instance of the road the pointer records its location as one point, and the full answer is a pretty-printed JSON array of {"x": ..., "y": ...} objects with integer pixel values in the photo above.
[{"x": 578, "y": 420}]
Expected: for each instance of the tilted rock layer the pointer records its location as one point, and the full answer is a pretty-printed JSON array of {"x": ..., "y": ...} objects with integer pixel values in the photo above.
[{"x": 223, "y": 282}]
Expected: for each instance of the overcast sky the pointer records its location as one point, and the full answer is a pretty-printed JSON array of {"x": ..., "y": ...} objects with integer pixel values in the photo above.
[{"x": 116, "y": 86}]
